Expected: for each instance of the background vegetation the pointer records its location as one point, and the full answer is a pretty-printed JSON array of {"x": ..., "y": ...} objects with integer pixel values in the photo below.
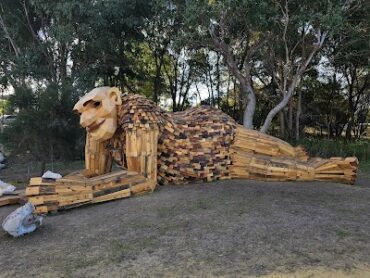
[{"x": 295, "y": 69}]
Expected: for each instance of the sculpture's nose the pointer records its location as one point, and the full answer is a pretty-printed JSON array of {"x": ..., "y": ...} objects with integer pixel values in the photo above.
[
  {"x": 79, "y": 106},
  {"x": 87, "y": 119}
]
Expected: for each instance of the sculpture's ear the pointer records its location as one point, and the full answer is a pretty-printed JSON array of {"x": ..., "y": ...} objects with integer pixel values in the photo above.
[{"x": 115, "y": 95}]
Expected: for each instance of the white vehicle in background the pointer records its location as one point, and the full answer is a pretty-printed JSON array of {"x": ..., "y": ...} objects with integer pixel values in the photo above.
[{"x": 6, "y": 120}]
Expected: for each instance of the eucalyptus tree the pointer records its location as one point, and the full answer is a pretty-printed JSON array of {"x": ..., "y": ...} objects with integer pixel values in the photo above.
[
  {"x": 349, "y": 59},
  {"x": 269, "y": 42}
]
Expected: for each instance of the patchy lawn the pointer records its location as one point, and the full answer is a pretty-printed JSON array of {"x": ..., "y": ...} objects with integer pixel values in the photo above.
[
  {"x": 19, "y": 173},
  {"x": 231, "y": 228}
]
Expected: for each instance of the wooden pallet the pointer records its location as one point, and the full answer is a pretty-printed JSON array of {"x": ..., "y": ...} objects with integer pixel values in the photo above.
[{"x": 75, "y": 189}]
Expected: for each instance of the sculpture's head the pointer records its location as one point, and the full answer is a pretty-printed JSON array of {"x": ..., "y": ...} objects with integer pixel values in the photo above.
[{"x": 98, "y": 112}]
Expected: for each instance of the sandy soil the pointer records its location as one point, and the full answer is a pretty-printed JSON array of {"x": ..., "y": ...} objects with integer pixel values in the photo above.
[{"x": 225, "y": 229}]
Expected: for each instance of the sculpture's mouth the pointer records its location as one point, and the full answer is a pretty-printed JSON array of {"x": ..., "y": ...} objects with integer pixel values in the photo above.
[{"x": 94, "y": 126}]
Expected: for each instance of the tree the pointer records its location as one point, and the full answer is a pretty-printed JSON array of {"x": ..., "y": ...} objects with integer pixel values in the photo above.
[
  {"x": 53, "y": 52},
  {"x": 269, "y": 43},
  {"x": 249, "y": 41},
  {"x": 292, "y": 50}
]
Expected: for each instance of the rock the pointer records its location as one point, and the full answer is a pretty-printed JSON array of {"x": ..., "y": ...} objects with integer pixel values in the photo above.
[
  {"x": 22, "y": 221},
  {"x": 6, "y": 188},
  {"x": 51, "y": 175}
]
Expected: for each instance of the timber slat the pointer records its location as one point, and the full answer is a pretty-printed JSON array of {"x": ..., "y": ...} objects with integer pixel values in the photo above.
[
  {"x": 259, "y": 156},
  {"x": 74, "y": 191}
]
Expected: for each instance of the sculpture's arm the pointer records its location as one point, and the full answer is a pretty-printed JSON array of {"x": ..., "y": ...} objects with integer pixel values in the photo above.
[
  {"x": 141, "y": 152},
  {"x": 98, "y": 159}
]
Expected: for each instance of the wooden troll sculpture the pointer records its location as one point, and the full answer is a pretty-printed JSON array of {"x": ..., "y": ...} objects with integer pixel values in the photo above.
[{"x": 170, "y": 148}]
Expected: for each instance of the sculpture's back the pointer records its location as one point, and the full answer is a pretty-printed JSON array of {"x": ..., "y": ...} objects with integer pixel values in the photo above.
[
  {"x": 204, "y": 143},
  {"x": 192, "y": 145}
]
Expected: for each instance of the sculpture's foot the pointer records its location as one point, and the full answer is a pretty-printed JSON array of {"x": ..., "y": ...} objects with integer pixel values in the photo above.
[
  {"x": 249, "y": 165},
  {"x": 338, "y": 169},
  {"x": 301, "y": 153}
]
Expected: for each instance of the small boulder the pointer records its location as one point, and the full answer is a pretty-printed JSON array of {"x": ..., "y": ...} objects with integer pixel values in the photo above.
[
  {"x": 6, "y": 188},
  {"x": 51, "y": 175},
  {"x": 22, "y": 221}
]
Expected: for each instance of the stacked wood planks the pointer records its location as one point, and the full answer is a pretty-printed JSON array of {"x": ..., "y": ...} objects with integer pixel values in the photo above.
[
  {"x": 263, "y": 144},
  {"x": 337, "y": 169},
  {"x": 134, "y": 145},
  {"x": 76, "y": 190},
  {"x": 205, "y": 144},
  {"x": 192, "y": 145},
  {"x": 259, "y": 156},
  {"x": 196, "y": 146},
  {"x": 13, "y": 198},
  {"x": 98, "y": 159}
]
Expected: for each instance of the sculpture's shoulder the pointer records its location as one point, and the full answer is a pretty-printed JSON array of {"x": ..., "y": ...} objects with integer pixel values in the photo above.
[{"x": 137, "y": 111}]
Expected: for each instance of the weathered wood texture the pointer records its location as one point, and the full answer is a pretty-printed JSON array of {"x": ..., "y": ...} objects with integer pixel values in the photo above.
[
  {"x": 13, "y": 198},
  {"x": 192, "y": 145},
  {"x": 259, "y": 156},
  {"x": 205, "y": 144},
  {"x": 198, "y": 144},
  {"x": 98, "y": 160},
  {"x": 76, "y": 190}
]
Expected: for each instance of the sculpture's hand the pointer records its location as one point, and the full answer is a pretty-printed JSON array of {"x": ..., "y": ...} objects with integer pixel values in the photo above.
[{"x": 88, "y": 173}]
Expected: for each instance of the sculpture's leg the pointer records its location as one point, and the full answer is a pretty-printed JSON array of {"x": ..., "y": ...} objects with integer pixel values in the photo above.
[
  {"x": 141, "y": 154},
  {"x": 259, "y": 156},
  {"x": 263, "y": 144}
]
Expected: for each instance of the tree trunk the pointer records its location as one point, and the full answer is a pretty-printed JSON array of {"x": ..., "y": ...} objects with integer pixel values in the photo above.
[
  {"x": 251, "y": 106},
  {"x": 298, "y": 115},
  {"x": 282, "y": 104},
  {"x": 156, "y": 85},
  {"x": 282, "y": 124},
  {"x": 42, "y": 167},
  {"x": 349, "y": 129},
  {"x": 218, "y": 80},
  {"x": 290, "y": 118}
]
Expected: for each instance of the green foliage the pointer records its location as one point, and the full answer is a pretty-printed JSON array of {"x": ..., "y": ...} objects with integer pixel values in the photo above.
[
  {"x": 322, "y": 147},
  {"x": 54, "y": 51},
  {"x": 5, "y": 107},
  {"x": 45, "y": 127}
]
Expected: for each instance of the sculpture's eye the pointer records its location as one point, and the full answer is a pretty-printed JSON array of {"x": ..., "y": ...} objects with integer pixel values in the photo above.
[{"x": 97, "y": 104}]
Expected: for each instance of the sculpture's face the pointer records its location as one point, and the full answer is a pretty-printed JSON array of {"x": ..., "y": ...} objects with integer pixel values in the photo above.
[{"x": 98, "y": 112}]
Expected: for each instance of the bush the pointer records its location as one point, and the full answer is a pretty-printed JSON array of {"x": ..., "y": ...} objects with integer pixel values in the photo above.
[
  {"x": 323, "y": 147},
  {"x": 45, "y": 128}
]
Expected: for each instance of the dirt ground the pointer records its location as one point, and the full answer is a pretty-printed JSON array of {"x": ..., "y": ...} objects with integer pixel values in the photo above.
[{"x": 224, "y": 229}]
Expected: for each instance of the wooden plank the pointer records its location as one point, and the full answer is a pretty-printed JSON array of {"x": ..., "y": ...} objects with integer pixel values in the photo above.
[
  {"x": 39, "y": 200},
  {"x": 116, "y": 195},
  {"x": 39, "y": 181},
  {"x": 9, "y": 200}
]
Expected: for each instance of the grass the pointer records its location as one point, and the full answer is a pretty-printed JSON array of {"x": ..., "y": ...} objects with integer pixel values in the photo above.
[
  {"x": 18, "y": 174},
  {"x": 121, "y": 249},
  {"x": 342, "y": 233},
  {"x": 365, "y": 167},
  {"x": 201, "y": 204}
]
